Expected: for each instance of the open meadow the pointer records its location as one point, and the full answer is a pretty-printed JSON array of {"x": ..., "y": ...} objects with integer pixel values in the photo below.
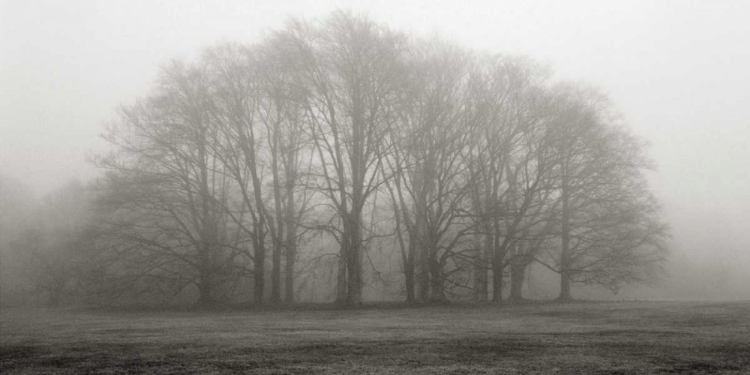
[{"x": 576, "y": 338}]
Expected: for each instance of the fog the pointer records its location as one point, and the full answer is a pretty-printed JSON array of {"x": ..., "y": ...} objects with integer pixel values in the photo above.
[{"x": 676, "y": 71}]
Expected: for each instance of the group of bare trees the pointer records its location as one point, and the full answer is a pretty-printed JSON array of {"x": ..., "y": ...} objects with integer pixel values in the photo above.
[{"x": 467, "y": 168}]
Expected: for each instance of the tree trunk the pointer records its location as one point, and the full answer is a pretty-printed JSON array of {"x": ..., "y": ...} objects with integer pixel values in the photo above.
[
  {"x": 424, "y": 273},
  {"x": 409, "y": 278},
  {"x": 517, "y": 271},
  {"x": 436, "y": 279},
  {"x": 341, "y": 287},
  {"x": 565, "y": 250},
  {"x": 354, "y": 271},
  {"x": 480, "y": 271},
  {"x": 497, "y": 271},
  {"x": 259, "y": 276},
  {"x": 291, "y": 230},
  {"x": 291, "y": 254},
  {"x": 517, "y": 276},
  {"x": 276, "y": 273},
  {"x": 208, "y": 235},
  {"x": 205, "y": 286},
  {"x": 204, "y": 289},
  {"x": 497, "y": 283},
  {"x": 564, "y": 288}
]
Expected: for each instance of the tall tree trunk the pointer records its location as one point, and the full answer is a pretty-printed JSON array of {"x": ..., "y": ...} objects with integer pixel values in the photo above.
[
  {"x": 205, "y": 282},
  {"x": 565, "y": 250},
  {"x": 259, "y": 258},
  {"x": 497, "y": 282},
  {"x": 480, "y": 271},
  {"x": 208, "y": 230},
  {"x": 205, "y": 297},
  {"x": 291, "y": 255},
  {"x": 424, "y": 271},
  {"x": 436, "y": 279},
  {"x": 407, "y": 251},
  {"x": 247, "y": 142},
  {"x": 517, "y": 271},
  {"x": 517, "y": 276},
  {"x": 290, "y": 244},
  {"x": 409, "y": 278},
  {"x": 497, "y": 267},
  {"x": 564, "y": 287},
  {"x": 423, "y": 236},
  {"x": 276, "y": 272},
  {"x": 204, "y": 290},
  {"x": 354, "y": 271},
  {"x": 341, "y": 278},
  {"x": 358, "y": 169},
  {"x": 277, "y": 232}
]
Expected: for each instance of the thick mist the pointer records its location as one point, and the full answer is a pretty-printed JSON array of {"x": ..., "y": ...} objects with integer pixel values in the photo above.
[{"x": 676, "y": 73}]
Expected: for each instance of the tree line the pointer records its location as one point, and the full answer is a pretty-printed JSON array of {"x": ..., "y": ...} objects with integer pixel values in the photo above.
[{"x": 340, "y": 153}]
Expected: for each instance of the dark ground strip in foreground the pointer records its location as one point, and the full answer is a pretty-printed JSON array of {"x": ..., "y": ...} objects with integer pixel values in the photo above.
[{"x": 598, "y": 352}]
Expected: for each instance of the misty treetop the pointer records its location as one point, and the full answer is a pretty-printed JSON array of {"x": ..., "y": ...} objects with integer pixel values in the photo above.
[{"x": 342, "y": 160}]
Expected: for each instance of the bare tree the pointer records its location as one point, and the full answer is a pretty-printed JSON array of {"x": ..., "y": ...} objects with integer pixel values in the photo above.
[
  {"x": 236, "y": 88},
  {"x": 352, "y": 70},
  {"x": 510, "y": 163},
  {"x": 283, "y": 115},
  {"x": 429, "y": 173},
  {"x": 164, "y": 186},
  {"x": 610, "y": 230}
]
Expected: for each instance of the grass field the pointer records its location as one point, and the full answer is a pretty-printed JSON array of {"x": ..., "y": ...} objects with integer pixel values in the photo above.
[{"x": 578, "y": 338}]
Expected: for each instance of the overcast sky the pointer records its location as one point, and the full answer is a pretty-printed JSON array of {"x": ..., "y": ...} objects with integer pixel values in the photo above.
[{"x": 677, "y": 70}]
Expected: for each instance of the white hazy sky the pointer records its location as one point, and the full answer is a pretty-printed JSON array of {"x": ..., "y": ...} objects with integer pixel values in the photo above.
[{"x": 679, "y": 71}]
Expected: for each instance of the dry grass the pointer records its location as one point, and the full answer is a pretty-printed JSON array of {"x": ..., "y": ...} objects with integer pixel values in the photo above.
[{"x": 580, "y": 338}]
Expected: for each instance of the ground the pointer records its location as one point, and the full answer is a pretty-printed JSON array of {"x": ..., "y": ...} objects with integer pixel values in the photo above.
[{"x": 575, "y": 338}]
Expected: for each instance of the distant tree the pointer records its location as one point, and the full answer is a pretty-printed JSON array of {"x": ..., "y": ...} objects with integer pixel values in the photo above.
[
  {"x": 610, "y": 228},
  {"x": 164, "y": 189}
]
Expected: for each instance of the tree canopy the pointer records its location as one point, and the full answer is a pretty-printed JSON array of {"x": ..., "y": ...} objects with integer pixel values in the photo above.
[{"x": 342, "y": 160}]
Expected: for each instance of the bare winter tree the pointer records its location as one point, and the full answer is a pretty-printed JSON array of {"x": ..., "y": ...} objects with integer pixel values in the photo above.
[
  {"x": 430, "y": 178},
  {"x": 259, "y": 115},
  {"x": 510, "y": 163},
  {"x": 164, "y": 189},
  {"x": 283, "y": 115},
  {"x": 238, "y": 94},
  {"x": 610, "y": 231},
  {"x": 353, "y": 70}
]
